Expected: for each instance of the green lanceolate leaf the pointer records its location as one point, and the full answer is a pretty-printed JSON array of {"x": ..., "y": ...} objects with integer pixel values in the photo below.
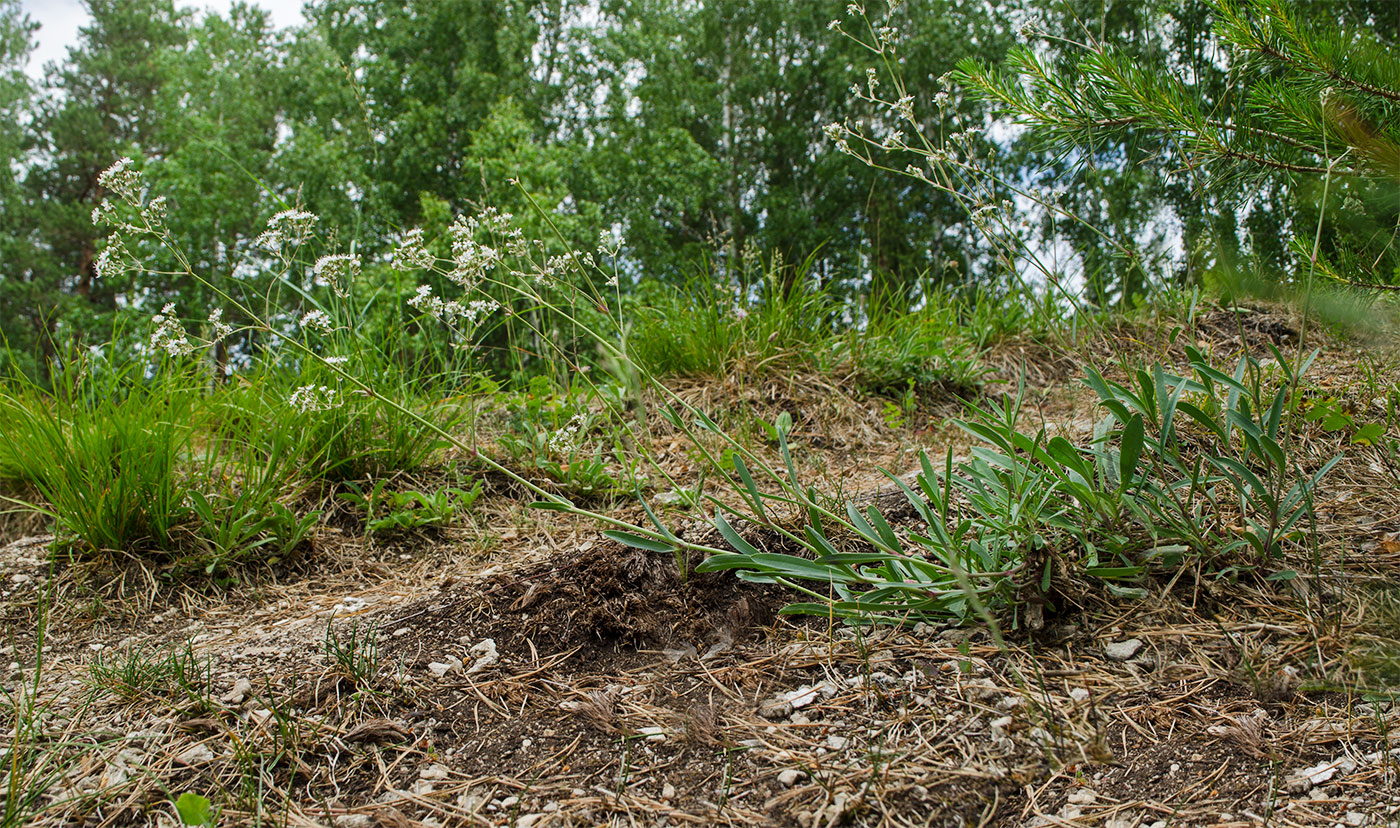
[{"x": 639, "y": 541}]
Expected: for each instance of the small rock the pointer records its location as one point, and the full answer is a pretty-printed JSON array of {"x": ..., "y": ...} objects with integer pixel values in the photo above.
[
  {"x": 652, "y": 734},
  {"x": 528, "y": 820},
  {"x": 510, "y": 801},
  {"x": 488, "y": 655},
  {"x": 1356, "y": 818},
  {"x": 195, "y": 755},
  {"x": 790, "y": 777},
  {"x": 350, "y": 605},
  {"x": 422, "y": 787},
  {"x": 668, "y": 793},
  {"x": 836, "y": 742},
  {"x": 1122, "y": 650},
  {"x": 433, "y": 773},
  {"x": 1083, "y": 796},
  {"x": 242, "y": 689},
  {"x": 449, "y": 665},
  {"x": 1079, "y": 695},
  {"x": 354, "y": 821}
]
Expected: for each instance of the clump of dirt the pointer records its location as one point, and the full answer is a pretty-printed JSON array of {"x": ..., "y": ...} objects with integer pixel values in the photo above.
[
  {"x": 607, "y": 599},
  {"x": 1259, "y": 329}
]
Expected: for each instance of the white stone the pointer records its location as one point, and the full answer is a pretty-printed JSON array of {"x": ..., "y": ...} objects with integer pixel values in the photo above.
[
  {"x": 1083, "y": 796},
  {"x": 1079, "y": 695},
  {"x": 242, "y": 689},
  {"x": 195, "y": 755},
  {"x": 790, "y": 777},
  {"x": 1122, "y": 650},
  {"x": 487, "y": 655},
  {"x": 433, "y": 773},
  {"x": 449, "y": 665},
  {"x": 836, "y": 742}
]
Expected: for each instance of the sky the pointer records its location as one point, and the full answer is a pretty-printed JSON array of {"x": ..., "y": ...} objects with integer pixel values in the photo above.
[{"x": 59, "y": 21}]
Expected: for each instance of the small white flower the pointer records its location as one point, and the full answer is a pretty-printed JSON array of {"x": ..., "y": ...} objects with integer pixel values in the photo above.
[
  {"x": 941, "y": 100},
  {"x": 155, "y": 213},
  {"x": 834, "y": 26},
  {"x": 905, "y": 107},
  {"x": 565, "y": 440},
  {"x": 121, "y": 179},
  {"x": 312, "y": 398},
  {"x": 169, "y": 335},
  {"x": 112, "y": 260},
  {"x": 412, "y": 255},
  {"x": 336, "y": 360},
  {"x": 834, "y": 131},
  {"x": 104, "y": 213},
  {"x": 221, "y": 328},
  {"x": 338, "y": 270},
  {"x": 318, "y": 321},
  {"x": 288, "y": 228},
  {"x": 855, "y": 9}
]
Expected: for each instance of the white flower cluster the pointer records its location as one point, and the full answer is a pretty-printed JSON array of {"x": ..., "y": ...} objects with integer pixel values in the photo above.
[
  {"x": 471, "y": 260},
  {"x": 123, "y": 180},
  {"x": 905, "y": 107},
  {"x": 112, "y": 260},
  {"x": 318, "y": 321},
  {"x": 169, "y": 335},
  {"x": 338, "y": 270},
  {"x": 312, "y": 398},
  {"x": 221, "y": 328},
  {"x": 451, "y": 310},
  {"x": 289, "y": 228},
  {"x": 1028, "y": 30},
  {"x": 412, "y": 254},
  {"x": 565, "y": 440},
  {"x": 155, "y": 213}
]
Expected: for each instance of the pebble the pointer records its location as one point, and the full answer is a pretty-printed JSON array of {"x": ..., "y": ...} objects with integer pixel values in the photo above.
[
  {"x": 836, "y": 742},
  {"x": 195, "y": 755},
  {"x": 668, "y": 792},
  {"x": 1079, "y": 695},
  {"x": 433, "y": 773},
  {"x": 242, "y": 689},
  {"x": 1122, "y": 650},
  {"x": 488, "y": 655},
  {"x": 790, "y": 777},
  {"x": 441, "y": 668},
  {"x": 652, "y": 734},
  {"x": 1083, "y": 796},
  {"x": 510, "y": 801}
]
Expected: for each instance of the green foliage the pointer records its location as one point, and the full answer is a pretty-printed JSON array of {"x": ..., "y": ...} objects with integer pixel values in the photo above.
[
  {"x": 1308, "y": 113},
  {"x": 791, "y": 322},
  {"x": 554, "y": 435},
  {"x": 174, "y": 675},
  {"x": 354, "y": 650},
  {"x": 387, "y": 511},
  {"x": 194, "y": 809},
  {"x": 1037, "y": 507}
]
